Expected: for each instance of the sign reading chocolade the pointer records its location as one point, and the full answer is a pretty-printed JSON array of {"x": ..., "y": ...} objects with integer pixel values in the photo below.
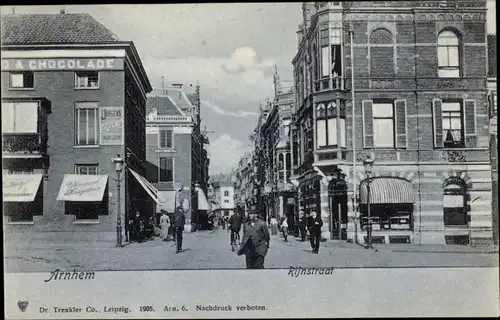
[{"x": 61, "y": 64}]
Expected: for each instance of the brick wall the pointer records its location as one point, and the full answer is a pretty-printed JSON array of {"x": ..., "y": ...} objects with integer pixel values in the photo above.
[{"x": 58, "y": 87}]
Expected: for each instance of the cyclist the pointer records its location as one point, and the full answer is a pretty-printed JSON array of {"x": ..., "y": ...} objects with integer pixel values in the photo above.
[{"x": 235, "y": 226}]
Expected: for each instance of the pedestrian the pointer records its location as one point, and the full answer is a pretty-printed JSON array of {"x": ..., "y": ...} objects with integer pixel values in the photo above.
[
  {"x": 164, "y": 225},
  {"x": 179, "y": 222},
  {"x": 235, "y": 226},
  {"x": 284, "y": 229},
  {"x": 314, "y": 225},
  {"x": 302, "y": 225},
  {"x": 223, "y": 222},
  {"x": 255, "y": 241},
  {"x": 274, "y": 226}
]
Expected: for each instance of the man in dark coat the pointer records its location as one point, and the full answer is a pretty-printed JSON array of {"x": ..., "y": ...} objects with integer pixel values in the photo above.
[
  {"x": 179, "y": 222},
  {"x": 301, "y": 222},
  {"x": 314, "y": 224},
  {"x": 235, "y": 226},
  {"x": 255, "y": 241}
]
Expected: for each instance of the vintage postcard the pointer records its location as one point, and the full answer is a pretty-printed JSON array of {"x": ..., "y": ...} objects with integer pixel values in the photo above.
[{"x": 154, "y": 155}]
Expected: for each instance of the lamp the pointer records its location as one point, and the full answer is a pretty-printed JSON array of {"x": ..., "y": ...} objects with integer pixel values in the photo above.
[
  {"x": 118, "y": 161},
  {"x": 368, "y": 164}
]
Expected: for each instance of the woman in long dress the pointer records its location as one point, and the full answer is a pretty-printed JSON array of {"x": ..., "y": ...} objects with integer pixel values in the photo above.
[{"x": 165, "y": 225}]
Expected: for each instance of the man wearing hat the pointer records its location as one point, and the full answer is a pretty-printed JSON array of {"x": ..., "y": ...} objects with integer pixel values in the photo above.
[
  {"x": 255, "y": 240},
  {"x": 179, "y": 222}
]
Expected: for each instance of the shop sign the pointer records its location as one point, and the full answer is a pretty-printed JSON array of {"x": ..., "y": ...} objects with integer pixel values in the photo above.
[
  {"x": 111, "y": 125},
  {"x": 61, "y": 64}
]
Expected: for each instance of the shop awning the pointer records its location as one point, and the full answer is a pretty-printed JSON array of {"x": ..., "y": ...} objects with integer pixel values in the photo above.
[
  {"x": 82, "y": 187},
  {"x": 169, "y": 204},
  {"x": 20, "y": 187},
  {"x": 150, "y": 189},
  {"x": 202, "y": 200},
  {"x": 387, "y": 190}
]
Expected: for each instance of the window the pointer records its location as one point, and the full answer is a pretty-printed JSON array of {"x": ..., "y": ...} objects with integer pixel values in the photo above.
[
  {"x": 23, "y": 79},
  {"x": 226, "y": 193},
  {"x": 448, "y": 55},
  {"x": 166, "y": 139},
  {"x": 452, "y": 125},
  {"x": 326, "y": 125},
  {"x": 336, "y": 36},
  {"x": 87, "y": 79},
  {"x": 381, "y": 54},
  {"x": 325, "y": 52},
  {"x": 454, "y": 203},
  {"x": 492, "y": 99},
  {"x": 86, "y": 123},
  {"x": 388, "y": 216},
  {"x": 226, "y": 201},
  {"x": 166, "y": 168},
  {"x": 19, "y": 117},
  {"x": 86, "y": 169},
  {"x": 383, "y": 125}
]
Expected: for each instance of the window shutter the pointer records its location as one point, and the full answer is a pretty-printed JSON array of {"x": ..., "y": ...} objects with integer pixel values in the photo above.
[
  {"x": 437, "y": 116},
  {"x": 470, "y": 123},
  {"x": 368, "y": 123},
  {"x": 401, "y": 131}
]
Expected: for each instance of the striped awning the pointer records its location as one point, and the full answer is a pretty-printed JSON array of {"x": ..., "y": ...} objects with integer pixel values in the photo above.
[{"x": 387, "y": 190}]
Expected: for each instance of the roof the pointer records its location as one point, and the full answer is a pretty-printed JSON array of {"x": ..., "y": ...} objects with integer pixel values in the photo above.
[
  {"x": 492, "y": 55},
  {"x": 163, "y": 104},
  {"x": 192, "y": 98},
  {"x": 54, "y": 29}
]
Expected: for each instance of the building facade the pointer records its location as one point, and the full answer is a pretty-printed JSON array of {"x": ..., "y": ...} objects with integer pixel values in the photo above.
[
  {"x": 243, "y": 184},
  {"x": 492, "y": 102},
  {"x": 403, "y": 83},
  {"x": 278, "y": 192},
  {"x": 175, "y": 153},
  {"x": 71, "y": 102},
  {"x": 224, "y": 198}
]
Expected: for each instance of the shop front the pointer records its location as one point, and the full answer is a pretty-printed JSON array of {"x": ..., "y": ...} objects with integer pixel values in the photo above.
[{"x": 391, "y": 203}]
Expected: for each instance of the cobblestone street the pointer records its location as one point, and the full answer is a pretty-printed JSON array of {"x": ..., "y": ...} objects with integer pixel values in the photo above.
[{"x": 211, "y": 250}]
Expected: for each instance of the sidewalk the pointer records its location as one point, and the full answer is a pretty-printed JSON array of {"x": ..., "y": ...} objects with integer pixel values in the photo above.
[{"x": 435, "y": 248}]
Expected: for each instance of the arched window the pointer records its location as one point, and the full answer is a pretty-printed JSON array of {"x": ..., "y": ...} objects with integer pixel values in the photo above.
[
  {"x": 454, "y": 208},
  {"x": 448, "y": 55},
  {"x": 381, "y": 53}
]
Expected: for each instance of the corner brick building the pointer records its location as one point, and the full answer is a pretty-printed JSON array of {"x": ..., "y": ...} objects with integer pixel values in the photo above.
[
  {"x": 73, "y": 98},
  {"x": 176, "y": 157},
  {"x": 420, "y": 111}
]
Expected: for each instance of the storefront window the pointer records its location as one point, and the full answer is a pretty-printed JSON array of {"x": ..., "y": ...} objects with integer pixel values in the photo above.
[{"x": 392, "y": 216}]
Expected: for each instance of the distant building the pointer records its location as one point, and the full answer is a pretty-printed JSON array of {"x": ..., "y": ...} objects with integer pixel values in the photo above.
[
  {"x": 71, "y": 101},
  {"x": 279, "y": 193},
  {"x": 243, "y": 184},
  {"x": 177, "y": 159},
  {"x": 224, "y": 197}
]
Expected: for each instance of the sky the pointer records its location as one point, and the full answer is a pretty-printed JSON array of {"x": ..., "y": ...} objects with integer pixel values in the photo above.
[{"x": 230, "y": 49}]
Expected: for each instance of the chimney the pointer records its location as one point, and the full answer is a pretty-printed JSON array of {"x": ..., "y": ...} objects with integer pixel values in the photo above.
[{"x": 63, "y": 9}]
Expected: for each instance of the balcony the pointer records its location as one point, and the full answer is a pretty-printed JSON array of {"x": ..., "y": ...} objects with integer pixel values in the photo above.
[
  {"x": 167, "y": 118},
  {"x": 164, "y": 185},
  {"x": 24, "y": 144},
  {"x": 335, "y": 83}
]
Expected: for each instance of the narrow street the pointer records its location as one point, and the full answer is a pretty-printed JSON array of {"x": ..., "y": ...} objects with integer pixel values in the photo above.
[{"x": 211, "y": 250}]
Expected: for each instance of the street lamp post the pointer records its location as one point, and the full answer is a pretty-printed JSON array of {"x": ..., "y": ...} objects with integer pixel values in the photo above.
[
  {"x": 368, "y": 164},
  {"x": 118, "y": 161}
]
